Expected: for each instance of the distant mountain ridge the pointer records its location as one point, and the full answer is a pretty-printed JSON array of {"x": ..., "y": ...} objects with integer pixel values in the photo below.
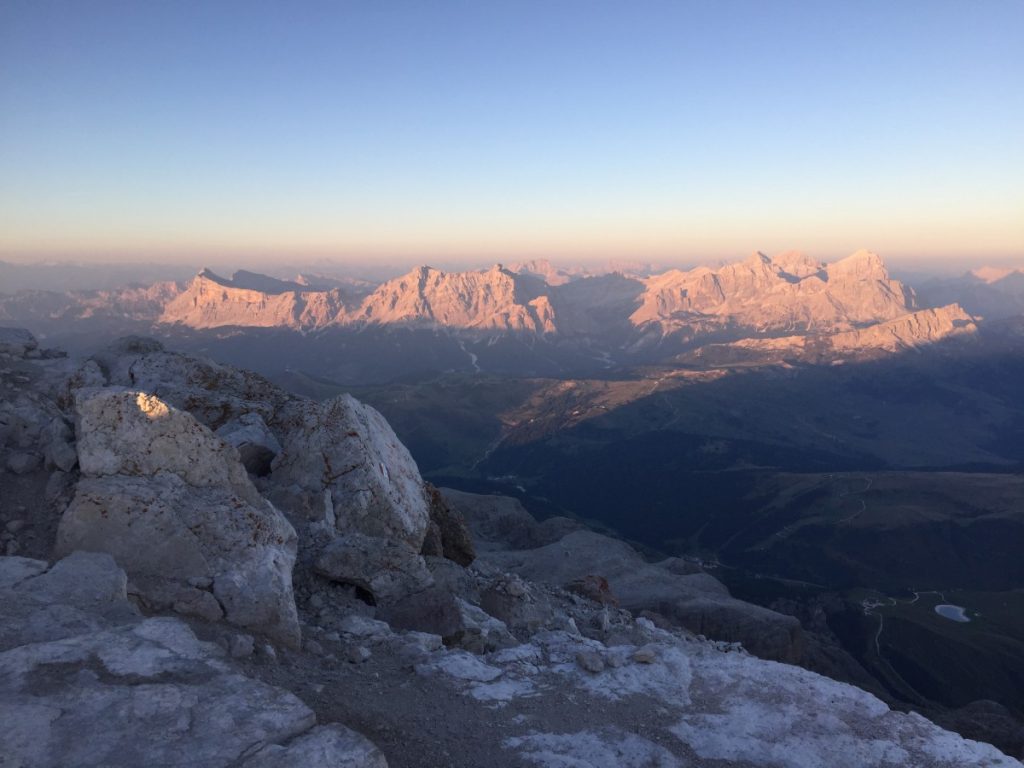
[
  {"x": 789, "y": 305},
  {"x": 791, "y": 295}
]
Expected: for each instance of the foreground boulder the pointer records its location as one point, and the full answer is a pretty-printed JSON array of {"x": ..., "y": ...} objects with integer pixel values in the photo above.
[
  {"x": 346, "y": 453},
  {"x": 90, "y": 683},
  {"x": 174, "y": 506}
]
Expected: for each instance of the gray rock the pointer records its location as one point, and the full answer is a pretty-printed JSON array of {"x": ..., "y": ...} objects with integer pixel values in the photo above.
[
  {"x": 313, "y": 647},
  {"x": 326, "y": 746},
  {"x": 347, "y": 448},
  {"x": 241, "y": 646},
  {"x": 214, "y": 394},
  {"x": 439, "y": 612},
  {"x": 192, "y": 603},
  {"x": 385, "y": 569},
  {"x": 62, "y": 455},
  {"x": 254, "y": 441},
  {"x": 171, "y": 502},
  {"x": 83, "y": 592},
  {"x": 59, "y": 451},
  {"x": 647, "y": 654},
  {"x": 447, "y": 535},
  {"x": 153, "y": 678},
  {"x": 697, "y": 602},
  {"x": 423, "y": 641},
  {"x": 519, "y": 605},
  {"x": 164, "y": 532},
  {"x": 21, "y": 462},
  {"x": 590, "y": 661},
  {"x": 496, "y": 522},
  {"x": 361, "y": 626},
  {"x": 357, "y": 654}
]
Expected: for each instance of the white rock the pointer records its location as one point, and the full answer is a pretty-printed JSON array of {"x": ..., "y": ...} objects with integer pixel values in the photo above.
[
  {"x": 326, "y": 746},
  {"x": 171, "y": 502},
  {"x": 460, "y": 665},
  {"x": 128, "y": 432},
  {"x": 348, "y": 448}
]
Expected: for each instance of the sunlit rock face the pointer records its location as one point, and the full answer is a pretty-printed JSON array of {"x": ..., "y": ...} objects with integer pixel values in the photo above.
[
  {"x": 175, "y": 507},
  {"x": 210, "y": 301},
  {"x": 753, "y": 301},
  {"x": 792, "y": 293},
  {"x": 493, "y": 299}
]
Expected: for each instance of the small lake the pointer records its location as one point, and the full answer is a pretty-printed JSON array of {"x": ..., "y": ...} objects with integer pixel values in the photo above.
[{"x": 952, "y": 612}]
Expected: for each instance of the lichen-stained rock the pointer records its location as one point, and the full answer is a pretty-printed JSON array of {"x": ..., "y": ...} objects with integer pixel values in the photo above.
[
  {"x": 347, "y": 448},
  {"x": 173, "y": 505},
  {"x": 385, "y": 569}
]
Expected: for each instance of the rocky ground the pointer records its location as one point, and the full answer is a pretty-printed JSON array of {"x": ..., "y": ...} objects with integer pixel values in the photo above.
[{"x": 202, "y": 570}]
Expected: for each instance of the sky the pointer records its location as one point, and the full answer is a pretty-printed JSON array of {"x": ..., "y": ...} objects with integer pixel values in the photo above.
[{"x": 499, "y": 129}]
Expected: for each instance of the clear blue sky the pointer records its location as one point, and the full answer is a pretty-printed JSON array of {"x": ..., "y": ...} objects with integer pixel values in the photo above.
[{"x": 661, "y": 130}]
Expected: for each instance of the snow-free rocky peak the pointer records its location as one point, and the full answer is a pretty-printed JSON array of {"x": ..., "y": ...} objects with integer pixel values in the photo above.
[{"x": 758, "y": 297}]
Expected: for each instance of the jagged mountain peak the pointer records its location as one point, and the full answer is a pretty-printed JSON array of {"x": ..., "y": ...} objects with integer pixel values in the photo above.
[
  {"x": 493, "y": 298},
  {"x": 860, "y": 263},
  {"x": 790, "y": 293}
]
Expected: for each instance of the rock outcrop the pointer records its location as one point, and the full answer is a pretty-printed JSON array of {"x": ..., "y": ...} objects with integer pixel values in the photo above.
[
  {"x": 447, "y": 534},
  {"x": 501, "y": 522},
  {"x": 86, "y": 681},
  {"x": 214, "y": 394},
  {"x": 174, "y": 506},
  {"x": 345, "y": 453},
  {"x": 384, "y": 569},
  {"x": 697, "y": 602}
]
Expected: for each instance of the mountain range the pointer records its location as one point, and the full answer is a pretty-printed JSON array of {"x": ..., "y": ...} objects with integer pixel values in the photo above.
[
  {"x": 791, "y": 299},
  {"x": 761, "y": 295}
]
